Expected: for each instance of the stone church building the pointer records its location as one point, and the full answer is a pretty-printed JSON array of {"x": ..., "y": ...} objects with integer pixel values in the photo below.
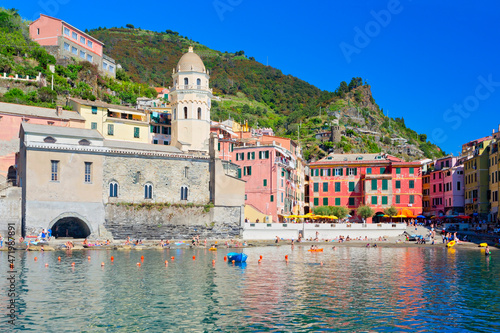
[{"x": 79, "y": 184}]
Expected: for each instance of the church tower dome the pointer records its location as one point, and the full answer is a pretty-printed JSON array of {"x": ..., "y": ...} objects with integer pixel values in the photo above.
[
  {"x": 191, "y": 101},
  {"x": 190, "y": 62}
]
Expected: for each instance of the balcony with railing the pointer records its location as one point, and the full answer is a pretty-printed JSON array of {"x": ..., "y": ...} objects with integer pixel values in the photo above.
[
  {"x": 190, "y": 87},
  {"x": 283, "y": 162}
]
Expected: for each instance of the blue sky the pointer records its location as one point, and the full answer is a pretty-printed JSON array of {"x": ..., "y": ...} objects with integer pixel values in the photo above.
[{"x": 435, "y": 64}]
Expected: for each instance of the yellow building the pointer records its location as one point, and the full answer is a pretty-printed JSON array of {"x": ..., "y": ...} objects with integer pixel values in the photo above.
[
  {"x": 114, "y": 122},
  {"x": 476, "y": 176}
]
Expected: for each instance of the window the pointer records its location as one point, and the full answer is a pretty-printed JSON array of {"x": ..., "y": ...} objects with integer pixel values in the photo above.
[
  {"x": 316, "y": 201},
  {"x": 186, "y": 172},
  {"x": 240, "y": 156},
  {"x": 74, "y": 50},
  {"x": 89, "y": 58},
  {"x": 412, "y": 184},
  {"x": 186, "y": 81},
  {"x": 325, "y": 201},
  {"x": 263, "y": 154},
  {"x": 247, "y": 171},
  {"x": 315, "y": 187},
  {"x": 136, "y": 132},
  {"x": 111, "y": 68},
  {"x": 184, "y": 193},
  {"x": 239, "y": 173},
  {"x": 382, "y": 171},
  {"x": 412, "y": 170},
  {"x": 368, "y": 171},
  {"x": 351, "y": 202},
  {"x": 104, "y": 65},
  {"x": 74, "y": 35},
  {"x": 66, "y": 47},
  {"x": 337, "y": 201},
  {"x": 398, "y": 199},
  {"x": 272, "y": 198},
  {"x": 113, "y": 189},
  {"x": 88, "y": 172},
  {"x": 82, "y": 40},
  {"x": 351, "y": 171},
  {"x": 385, "y": 185},
  {"x": 265, "y": 182},
  {"x": 198, "y": 82},
  {"x": 351, "y": 186},
  {"x": 338, "y": 172},
  {"x": 337, "y": 186},
  {"x": 111, "y": 129},
  {"x": 94, "y": 110},
  {"x": 54, "y": 171},
  {"x": 148, "y": 191},
  {"x": 199, "y": 113},
  {"x": 374, "y": 200},
  {"x": 89, "y": 43},
  {"x": 185, "y": 112},
  {"x": 155, "y": 142},
  {"x": 37, "y": 31},
  {"x": 412, "y": 199},
  {"x": 82, "y": 54},
  {"x": 251, "y": 156},
  {"x": 398, "y": 171},
  {"x": 325, "y": 187},
  {"x": 66, "y": 31},
  {"x": 384, "y": 200},
  {"x": 374, "y": 184}
]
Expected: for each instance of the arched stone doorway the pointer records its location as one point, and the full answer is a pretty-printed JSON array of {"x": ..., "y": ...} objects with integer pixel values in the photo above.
[
  {"x": 12, "y": 175},
  {"x": 71, "y": 227}
]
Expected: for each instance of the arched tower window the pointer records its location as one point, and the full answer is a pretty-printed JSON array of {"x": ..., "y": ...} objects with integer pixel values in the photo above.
[
  {"x": 148, "y": 191},
  {"x": 113, "y": 189},
  {"x": 186, "y": 81},
  {"x": 185, "y": 112},
  {"x": 199, "y": 113},
  {"x": 198, "y": 82},
  {"x": 184, "y": 193}
]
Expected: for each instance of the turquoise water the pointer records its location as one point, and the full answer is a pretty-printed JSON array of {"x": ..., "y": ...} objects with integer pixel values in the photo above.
[{"x": 356, "y": 289}]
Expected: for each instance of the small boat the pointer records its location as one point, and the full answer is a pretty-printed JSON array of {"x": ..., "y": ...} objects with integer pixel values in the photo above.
[
  {"x": 451, "y": 243},
  {"x": 237, "y": 257},
  {"x": 315, "y": 250},
  {"x": 483, "y": 245}
]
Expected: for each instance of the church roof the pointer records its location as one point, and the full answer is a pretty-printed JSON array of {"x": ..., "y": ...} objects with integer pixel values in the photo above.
[{"x": 190, "y": 62}]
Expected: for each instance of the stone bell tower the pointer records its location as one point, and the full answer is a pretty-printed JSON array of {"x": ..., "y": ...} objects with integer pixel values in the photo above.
[{"x": 191, "y": 102}]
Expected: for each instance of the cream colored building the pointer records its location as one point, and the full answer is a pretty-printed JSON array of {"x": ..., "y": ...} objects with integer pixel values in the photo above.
[
  {"x": 114, "y": 122},
  {"x": 191, "y": 102}
]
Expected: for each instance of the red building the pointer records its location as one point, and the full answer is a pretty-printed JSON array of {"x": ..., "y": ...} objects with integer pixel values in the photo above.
[{"x": 376, "y": 180}]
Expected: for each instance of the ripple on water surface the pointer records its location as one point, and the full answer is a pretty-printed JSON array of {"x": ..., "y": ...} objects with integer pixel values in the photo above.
[{"x": 354, "y": 289}]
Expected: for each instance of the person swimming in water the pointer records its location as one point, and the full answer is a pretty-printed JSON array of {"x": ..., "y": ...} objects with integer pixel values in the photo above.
[{"x": 487, "y": 251}]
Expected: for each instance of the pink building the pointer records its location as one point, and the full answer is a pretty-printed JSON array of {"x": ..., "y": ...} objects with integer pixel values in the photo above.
[
  {"x": 227, "y": 140},
  {"x": 64, "y": 41},
  {"x": 270, "y": 172},
  {"x": 11, "y": 118},
  {"x": 447, "y": 187},
  {"x": 376, "y": 180}
]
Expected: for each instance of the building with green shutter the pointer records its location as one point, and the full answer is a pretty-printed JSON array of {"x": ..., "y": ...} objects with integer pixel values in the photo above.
[{"x": 376, "y": 180}]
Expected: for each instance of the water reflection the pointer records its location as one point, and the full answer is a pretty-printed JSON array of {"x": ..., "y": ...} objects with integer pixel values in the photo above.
[{"x": 355, "y": 289}]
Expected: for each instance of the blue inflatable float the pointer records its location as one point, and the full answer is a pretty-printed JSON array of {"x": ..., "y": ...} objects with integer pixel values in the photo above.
[{"x": 237, "y": 257}]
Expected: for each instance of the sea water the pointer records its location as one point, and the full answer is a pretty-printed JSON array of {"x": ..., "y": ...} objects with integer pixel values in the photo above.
[{"x": 347, "y": 289}]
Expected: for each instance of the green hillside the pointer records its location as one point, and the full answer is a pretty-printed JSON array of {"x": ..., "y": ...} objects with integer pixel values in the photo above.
[
  {"x": 247, "y": 90},
  {"x": 244, "y": 89}
]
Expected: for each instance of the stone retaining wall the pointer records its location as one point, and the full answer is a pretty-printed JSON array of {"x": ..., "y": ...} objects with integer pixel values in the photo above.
[{"x": 172, "y": 222}]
